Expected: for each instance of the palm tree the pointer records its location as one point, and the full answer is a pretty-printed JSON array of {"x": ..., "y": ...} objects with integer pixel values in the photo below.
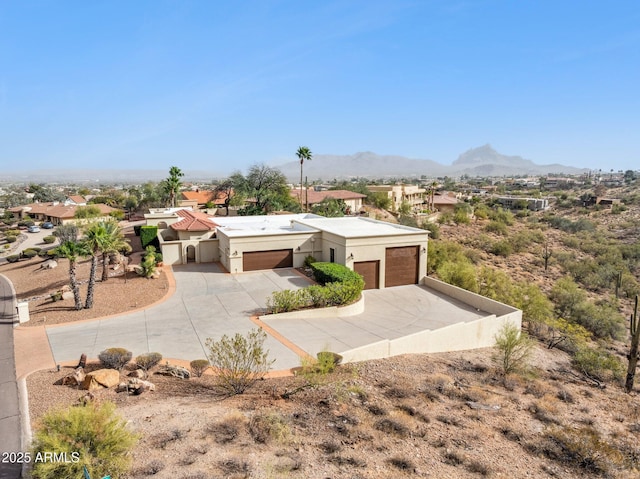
[
  {"x": 93, "y": 239},
  {"x": 303, "y": 153},
  {"x": 173, "y": 183},
  {"x": 112, "y": 242},
  {"x": 72, "y": 250}
]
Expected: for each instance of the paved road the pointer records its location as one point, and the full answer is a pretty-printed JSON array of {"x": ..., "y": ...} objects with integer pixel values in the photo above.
[{"x": 10, "y": 429}]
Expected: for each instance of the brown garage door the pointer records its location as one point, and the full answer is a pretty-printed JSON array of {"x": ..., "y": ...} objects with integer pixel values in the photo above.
[
  {"x": 370, "y": 271},
  {"x": 256, "y": 260},
  {"x": 401, "y": 266}
]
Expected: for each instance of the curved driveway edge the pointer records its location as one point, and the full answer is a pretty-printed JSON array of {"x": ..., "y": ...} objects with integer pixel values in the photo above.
[{"x": 10, "y": 423}]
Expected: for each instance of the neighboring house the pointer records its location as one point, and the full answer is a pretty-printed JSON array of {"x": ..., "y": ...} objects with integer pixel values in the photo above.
[
  {"x": 599, "y": 200},
  {"x": 444, "y": 203},
  {"x": 75, "y": 200},
  {"x": 199, "y": 199},
  {"x": 385, "y": 254},
  {"x": 514, "y": 202},
  {"x": 412, "y": 194},
  {"x": 57, "y": 213},
  {"x": 352, "y": 200}
]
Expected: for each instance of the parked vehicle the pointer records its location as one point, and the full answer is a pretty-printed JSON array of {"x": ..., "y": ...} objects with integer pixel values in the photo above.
[
  {"x": 33, "y": 229},
  {"x": 47, "y": 225}
]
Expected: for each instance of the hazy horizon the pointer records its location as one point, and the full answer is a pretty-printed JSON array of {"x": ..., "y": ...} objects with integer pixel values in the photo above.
[{"x": 217, "y": 87}]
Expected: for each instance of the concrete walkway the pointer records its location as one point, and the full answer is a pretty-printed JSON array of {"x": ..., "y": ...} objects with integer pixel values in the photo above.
[{"x": 10, "y": 425}]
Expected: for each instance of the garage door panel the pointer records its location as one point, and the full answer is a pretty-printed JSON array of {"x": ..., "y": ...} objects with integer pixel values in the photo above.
[
  {"x": 370, "y": 271},
  {"x": 401, "y": 266},
  {"x": 273, "y": 259}
]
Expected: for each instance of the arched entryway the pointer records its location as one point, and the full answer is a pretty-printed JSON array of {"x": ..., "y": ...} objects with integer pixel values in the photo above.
[
  {"x": 191, "y": 254},
  {"x": 162, "y": 225}
]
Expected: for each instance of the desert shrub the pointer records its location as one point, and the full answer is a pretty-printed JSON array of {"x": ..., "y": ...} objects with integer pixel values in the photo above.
[
  {"x": 29, "y": 253},
  {"x": 597, "y": 363},
  {"x": 148, "y": 360},
  {"x": 502, "y": 216},
  {"x": 445, "y": 218},
  {"x": 328, "y": 361},
  {"x": 115, "y": 358},
  {"x": 391, "y": 426},
  {"x": 309, "y": 260},
  {"x": 401, "y": 463},
  {"x": 199, "y": 366},
  {"x": 288, "y": 300},
  {"x": 432, "y": 228},
  {"x": 152, "y": 468},
  {"x": 94, "y": 432},
  {"x": 584, "y": 449},
  {"x": 459, "y": 273},
  {"x": 226, "y": 430},
  {"x": 461, "y": 217},
  {"x": 497, "y": 227},
  {"x": 501, "y": 248},
  {"x": 514, "y": 349},
  {"x": 347, "y": 292},
  {"x": 240, "y": 360},
  {"x": 10, "y": 239},
  {"x": 481, "y": 211},
  {"x": 234, "y": 467},
  {"x": 147, "y": 267},
  {"x": 603, "y": 320},
  {"x": 264, "y": 427},
  {"x": 162, "y": 439},
  {"x": 26, "y": 223},
  {"x": 13, "y": 258}
]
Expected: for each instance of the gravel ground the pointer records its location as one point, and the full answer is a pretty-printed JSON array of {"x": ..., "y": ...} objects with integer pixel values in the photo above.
[{"x": 114, "y": 296}]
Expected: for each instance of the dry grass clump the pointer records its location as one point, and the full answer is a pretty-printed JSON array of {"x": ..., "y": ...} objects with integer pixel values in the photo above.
[
  {"x": 264, "y": 427},
  {"x": 401, "y": 463},
  {"x": 234, "y": 467},
  {"x": 227, "y": 430},
  {"x": 163, "y": 439},
  {"x": 391, "y": 426},
  {"x": 545, "y": 410}
]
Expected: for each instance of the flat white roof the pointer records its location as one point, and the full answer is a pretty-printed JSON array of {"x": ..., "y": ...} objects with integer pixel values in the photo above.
[
  {"x": 238, "y": 226},
  {"x": 357, "y": 227}
]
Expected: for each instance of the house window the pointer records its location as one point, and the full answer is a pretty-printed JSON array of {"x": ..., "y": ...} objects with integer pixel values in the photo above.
[{"x": 332, "y": 255}]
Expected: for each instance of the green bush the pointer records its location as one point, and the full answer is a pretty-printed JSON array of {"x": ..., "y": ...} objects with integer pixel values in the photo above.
[
  {"x": 148, "y": 360},
  {"x": 93, "y": 434},
  {"x": 115, "y": 358},
  {"x": 288, "y": 300},
  {"x": 309, "y": 260},
  {"x": 199, "y": 366},
  {"x": 49, "y": 239},
  {"x": 501, "y": 248},
  {"x": 497, "y": 227},
  {"x": 10, "y": 239},
  {"x": 29, "y": 253},
  {"x": 432, "y": 228},
  {"x": 26, "y": 223},
  {"x": 149, "y": 236},
  {"x": 13, "y": 258},
  {"x": 240, "y": 361},
  {"x": 514, "y": 347},
  {"x": 598, "y": 363},
  {"x": 459, "y": 273},
  {"x": 333, "y": 273}
]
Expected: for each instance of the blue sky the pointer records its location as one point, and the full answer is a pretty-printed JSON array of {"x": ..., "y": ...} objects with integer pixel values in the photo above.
[{"x": 218, "y": 86}]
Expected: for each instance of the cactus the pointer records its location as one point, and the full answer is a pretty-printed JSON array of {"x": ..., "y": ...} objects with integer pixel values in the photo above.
[
  {"x": 618, "y": 282},
  {"x": 546, "y": 254},
  {"x": 634, "y": 328}
]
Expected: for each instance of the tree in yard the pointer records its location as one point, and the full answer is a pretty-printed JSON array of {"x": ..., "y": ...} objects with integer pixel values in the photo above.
[
  {"x": 330, "y": 207},
  {"x": 113, "y": 241},
  {"x": 514, "y": 349},
  {"x": 173, "y": 183},
  {"x": 303, "y": 154},
  {"x": 225, "y": 190},
  {"x": 239, "y": 361},
  {"x": 67, "y": 232},
  {"x": 92, "y": 241},
  {"x": 266, "y": 186},
  {"x": 73, "y": 250}
]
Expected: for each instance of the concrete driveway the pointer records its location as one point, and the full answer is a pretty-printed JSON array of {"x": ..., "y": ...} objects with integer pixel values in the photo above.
[{"x": 207, "y": 304}]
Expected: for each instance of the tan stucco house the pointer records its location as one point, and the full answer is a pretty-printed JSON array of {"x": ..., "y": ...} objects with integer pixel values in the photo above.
[
  {"x": 352, "y": 200},
  {"x": 385, "y": 254},
  {"x": 412, "y": 194}
]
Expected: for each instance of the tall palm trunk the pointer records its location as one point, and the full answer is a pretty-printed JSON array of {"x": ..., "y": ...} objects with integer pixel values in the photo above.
[
  {"x": 92, "y": 282},
  {"x": 74, "y": 285},
  {"x": 301, "y": 198},
  {"x": 105, "y": 266}
]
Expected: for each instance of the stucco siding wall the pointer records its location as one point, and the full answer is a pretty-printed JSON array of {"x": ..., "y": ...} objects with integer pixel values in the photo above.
[
  {"x": 171, "y": 252},
  {"x": 209, "y": 251}
]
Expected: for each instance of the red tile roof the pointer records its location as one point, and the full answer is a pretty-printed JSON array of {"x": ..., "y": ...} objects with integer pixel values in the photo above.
[
  {"x": 204, "y": 197},
  {"x": 77, "y": 199},
  {"x": 193, "y": 221},
  {"x": 317, "y": 196},
  {"x": 444, "y": 200},
  {"x": 59, "y": 210}
]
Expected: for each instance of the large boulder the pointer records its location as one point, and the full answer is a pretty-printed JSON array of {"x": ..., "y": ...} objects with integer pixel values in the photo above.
[{"x": 102, "y": 378}]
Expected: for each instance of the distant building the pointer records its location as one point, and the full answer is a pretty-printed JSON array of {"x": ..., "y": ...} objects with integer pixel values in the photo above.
[
  {"x": 57, "y": 213},
  {"x": 352, "y": 200},
  {"x": 519, "y": 203},
  {"x": 412, "y": 194}
]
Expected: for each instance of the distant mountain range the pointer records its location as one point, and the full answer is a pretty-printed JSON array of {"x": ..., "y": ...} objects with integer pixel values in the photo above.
[{"x": 482, "y": 161}]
